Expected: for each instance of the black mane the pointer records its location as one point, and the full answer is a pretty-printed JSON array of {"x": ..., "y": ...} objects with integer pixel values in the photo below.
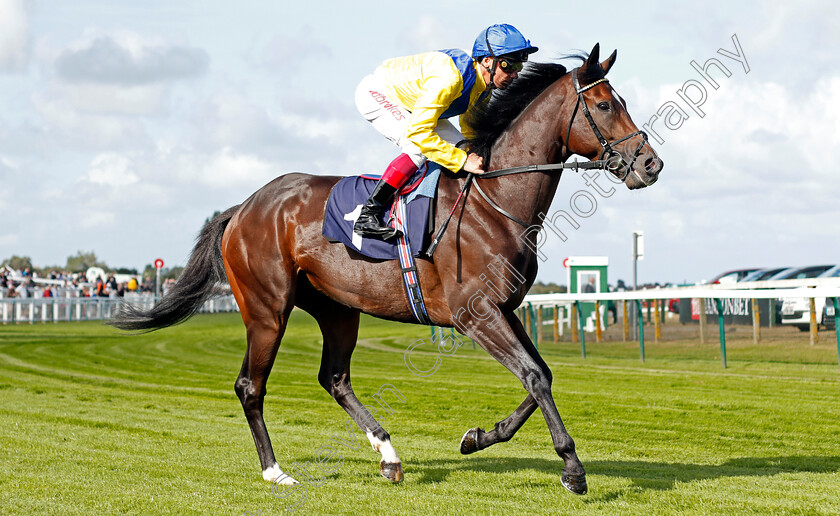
[{"x": 490, "y": 120}]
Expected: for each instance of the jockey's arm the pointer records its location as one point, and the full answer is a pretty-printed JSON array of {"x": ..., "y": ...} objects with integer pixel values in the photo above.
[{"x": 437, "y": 95}]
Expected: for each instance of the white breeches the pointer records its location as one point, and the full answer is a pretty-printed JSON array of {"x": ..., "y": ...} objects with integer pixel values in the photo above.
[{"x": 390, "y": 118}]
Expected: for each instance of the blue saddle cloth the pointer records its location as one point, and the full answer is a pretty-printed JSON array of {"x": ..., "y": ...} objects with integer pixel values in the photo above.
[{"x": 349, "y": 195}]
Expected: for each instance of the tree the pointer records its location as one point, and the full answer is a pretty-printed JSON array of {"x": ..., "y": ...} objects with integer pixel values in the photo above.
[
  {"x": 81, "y": 261},
  {"x": 126, "y": 270},
  {"x": 171, "y": 273},
  {"x": 45, "y": 271},
  {"x": 165, "y": 273},
  {"x": 550, "y": 288},
  {"x": 149, "y": 271},
  {"x": 18, "y": 262},
  {"x": 211, "y": 217}
]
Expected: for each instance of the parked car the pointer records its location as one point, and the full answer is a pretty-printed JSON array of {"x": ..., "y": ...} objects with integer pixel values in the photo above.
[
  {"x": 731, "y": 276},
  {"x": 775, "y": 305},
  {"x": 828, "y": 313},
  {"x": 724, "y": 278},
  {"x": 797, "y": 310},
  {"x": 812, "y": 271},
  {"x": 764, "y": 274},
  {"x": 833, "y": 272}
]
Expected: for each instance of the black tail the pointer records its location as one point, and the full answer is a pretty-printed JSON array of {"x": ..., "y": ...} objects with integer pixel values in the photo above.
[{"x": 197, "y": 283}]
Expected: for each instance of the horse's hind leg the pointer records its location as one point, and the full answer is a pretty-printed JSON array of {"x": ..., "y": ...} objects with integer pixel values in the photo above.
[
  {"x": 340, "y": 328},
  {"x": 265, "y": 315},
  {"x": 263, "y": 341},
  {"x": 477, "y": 439}
]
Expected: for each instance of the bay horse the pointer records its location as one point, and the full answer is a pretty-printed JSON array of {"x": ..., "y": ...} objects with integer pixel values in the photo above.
[{"x": 271, "y": 251}]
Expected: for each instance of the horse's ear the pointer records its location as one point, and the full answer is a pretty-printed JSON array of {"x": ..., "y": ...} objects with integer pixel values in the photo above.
[
  {"x": 606, "y": 65},
  {"x": 593, "y": 56}
]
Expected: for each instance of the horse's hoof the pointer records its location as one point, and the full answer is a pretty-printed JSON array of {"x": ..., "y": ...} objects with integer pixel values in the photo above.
[
  {"x": 275, "y": 475},
  {"x": 574, "y": 483},
  {"x": 391, "y": 470},
  {"x": 469, "y": 443}
]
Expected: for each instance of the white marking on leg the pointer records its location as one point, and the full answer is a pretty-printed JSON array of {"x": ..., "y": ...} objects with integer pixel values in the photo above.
[
  {"x": 385, "y": 448},
  {"x": 276, "y": 475}
]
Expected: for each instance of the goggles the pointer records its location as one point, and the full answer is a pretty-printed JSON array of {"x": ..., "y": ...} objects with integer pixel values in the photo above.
[{"x": 509, "y": 66}]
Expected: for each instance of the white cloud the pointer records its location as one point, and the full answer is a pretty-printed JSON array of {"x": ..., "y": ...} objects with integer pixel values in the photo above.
[
  {"x": 9, "y": 239},
  {"x": 14, "y": 35},
  {"x": 145, "y": 100},
  {"x": 62, "y": 124},
  {"x": 97, "y": 219},
  {"x": 431, "y": 32},
  {"x": 130, "y": 62},
  {"x": 228, "y": 169},
  {"x": 111, "y": 169},
  {"x": 757, "y": 138},
  {"x": 287, "y": 50}
]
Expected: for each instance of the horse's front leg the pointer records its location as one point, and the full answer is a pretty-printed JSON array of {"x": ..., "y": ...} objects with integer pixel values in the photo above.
[
  {"x": 497, "y": 336},
  {"x": 476, "y": 438}
]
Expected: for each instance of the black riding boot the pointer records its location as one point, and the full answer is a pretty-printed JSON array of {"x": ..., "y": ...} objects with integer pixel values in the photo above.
[{"x": 368, "y": 223}]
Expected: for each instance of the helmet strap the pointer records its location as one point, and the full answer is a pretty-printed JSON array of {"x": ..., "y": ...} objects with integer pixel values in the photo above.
[{"x": 492, "y": 69}]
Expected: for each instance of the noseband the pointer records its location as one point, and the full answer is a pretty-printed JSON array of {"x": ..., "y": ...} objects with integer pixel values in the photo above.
[{"x": 607, "y": 146}]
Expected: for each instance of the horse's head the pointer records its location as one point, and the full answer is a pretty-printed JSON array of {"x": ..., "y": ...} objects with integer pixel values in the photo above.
[{"x": 601, "y": 128}]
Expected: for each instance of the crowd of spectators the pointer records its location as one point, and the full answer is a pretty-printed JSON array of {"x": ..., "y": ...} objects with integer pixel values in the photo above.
[{"x": 28, "y": 284}]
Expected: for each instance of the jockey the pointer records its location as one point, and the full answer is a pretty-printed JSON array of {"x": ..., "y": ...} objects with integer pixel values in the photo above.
[{"x": 408, "y": 100}]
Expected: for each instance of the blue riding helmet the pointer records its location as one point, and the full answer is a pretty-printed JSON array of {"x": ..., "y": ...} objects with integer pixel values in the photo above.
[{"x": 503, "y": 40}]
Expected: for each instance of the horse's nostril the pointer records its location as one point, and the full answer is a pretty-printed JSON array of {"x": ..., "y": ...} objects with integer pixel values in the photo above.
[{"x": 649, "y": 163}]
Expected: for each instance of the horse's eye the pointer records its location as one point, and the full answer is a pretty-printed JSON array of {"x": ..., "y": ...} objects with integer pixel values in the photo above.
[{"x": 604, "y": 106}]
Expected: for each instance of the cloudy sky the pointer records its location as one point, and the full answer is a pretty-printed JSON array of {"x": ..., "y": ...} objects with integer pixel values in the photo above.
[{"x": 125, "y": 124}]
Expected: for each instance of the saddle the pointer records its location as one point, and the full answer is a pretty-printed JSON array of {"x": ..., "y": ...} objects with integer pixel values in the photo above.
[{"x": 412, "y": 208}]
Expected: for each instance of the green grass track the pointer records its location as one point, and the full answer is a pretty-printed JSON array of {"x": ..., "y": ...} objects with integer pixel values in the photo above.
[{"x": 96, "y": 422}]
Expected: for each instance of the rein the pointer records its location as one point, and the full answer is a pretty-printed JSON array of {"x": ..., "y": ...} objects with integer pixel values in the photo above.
[{"x": 574, "y": 165}]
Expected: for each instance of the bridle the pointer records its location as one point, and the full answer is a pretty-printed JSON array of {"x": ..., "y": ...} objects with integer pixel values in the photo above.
[{"x": 607, "y": 146}]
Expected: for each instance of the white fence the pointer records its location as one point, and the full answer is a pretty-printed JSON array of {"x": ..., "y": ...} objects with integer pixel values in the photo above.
[
  {"x": 781, "y": 289},
  {"x": 55, "y": 309},
  {"x": 777, "y": 290},
  {"x": 567, "y": 308}
]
